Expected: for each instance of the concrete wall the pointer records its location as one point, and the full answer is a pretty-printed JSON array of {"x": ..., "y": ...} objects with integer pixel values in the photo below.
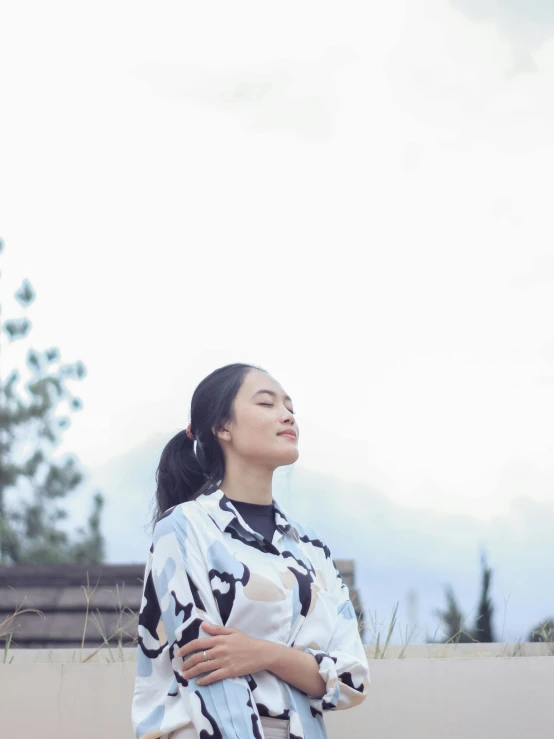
[{"x": 469, "y": 692}]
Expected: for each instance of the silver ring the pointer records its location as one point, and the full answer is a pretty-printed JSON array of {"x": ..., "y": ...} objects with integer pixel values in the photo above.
[{"x": 206, "y": 658}]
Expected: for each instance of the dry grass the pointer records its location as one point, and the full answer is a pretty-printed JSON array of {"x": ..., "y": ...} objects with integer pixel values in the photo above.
[
  {"x": 380, "y": 647},
  {"x": 121, "y": 632}
]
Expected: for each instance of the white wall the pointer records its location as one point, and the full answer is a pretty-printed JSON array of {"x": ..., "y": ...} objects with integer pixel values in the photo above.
[{"x": 462, "y": 696}]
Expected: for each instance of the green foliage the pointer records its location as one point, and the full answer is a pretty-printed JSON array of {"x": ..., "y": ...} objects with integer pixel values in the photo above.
[
  {"x": 29, "y": 432},
  {"x": 483, "y": 630},
  {"x": 543, "y": 631},
  {"x": 453, "y": 621}
]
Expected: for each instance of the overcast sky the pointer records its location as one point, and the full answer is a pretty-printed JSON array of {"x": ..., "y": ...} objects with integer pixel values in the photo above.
[{"x": 357, "y": 197}]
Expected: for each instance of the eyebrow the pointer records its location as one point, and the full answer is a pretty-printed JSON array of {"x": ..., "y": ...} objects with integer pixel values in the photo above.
[{"x": 270, "y": 392}]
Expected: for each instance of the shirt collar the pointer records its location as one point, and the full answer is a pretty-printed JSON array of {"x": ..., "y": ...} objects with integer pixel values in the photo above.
[{"x": 221, "y": 509}]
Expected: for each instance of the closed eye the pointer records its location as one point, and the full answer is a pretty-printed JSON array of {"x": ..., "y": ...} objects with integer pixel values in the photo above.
[{"x": 270, "y": 405}]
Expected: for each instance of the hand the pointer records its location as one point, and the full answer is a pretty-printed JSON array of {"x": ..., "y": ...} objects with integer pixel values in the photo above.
[{"x": 231, "y": 653}]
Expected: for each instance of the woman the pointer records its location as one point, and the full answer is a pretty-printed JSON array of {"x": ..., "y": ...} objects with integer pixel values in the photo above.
[{"x": 246, "y": 629}]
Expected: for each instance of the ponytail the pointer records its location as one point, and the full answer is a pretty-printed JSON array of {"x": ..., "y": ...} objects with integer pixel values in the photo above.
[{"x": 189, "y": 467}]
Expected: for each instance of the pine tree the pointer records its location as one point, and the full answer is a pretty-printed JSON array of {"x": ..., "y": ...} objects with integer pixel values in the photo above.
[
  {"x": 453, "y": 620},
  {"x": 29, "y": 432},
  {"x": 483, "y": 630}
]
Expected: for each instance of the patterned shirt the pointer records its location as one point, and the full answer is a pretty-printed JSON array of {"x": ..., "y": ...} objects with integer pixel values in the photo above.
[{"x": 206, "y": 564}]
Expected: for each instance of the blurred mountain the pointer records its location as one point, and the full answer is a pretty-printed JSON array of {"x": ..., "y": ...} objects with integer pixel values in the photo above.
[{"x": 402, "y": 555}]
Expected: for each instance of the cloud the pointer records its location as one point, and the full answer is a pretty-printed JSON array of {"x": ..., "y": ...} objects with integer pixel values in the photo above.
[
  {"x": 380, "y": 246},
  {"x": 511, "y": 13},
  {"x": 526, "y": 23},
  {"x": 289, "y": 96}
]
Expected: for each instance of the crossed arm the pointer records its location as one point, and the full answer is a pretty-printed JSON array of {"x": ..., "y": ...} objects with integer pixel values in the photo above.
[
  {"x": 336, "y": 675},
  {"x": 232, "y": 653}
]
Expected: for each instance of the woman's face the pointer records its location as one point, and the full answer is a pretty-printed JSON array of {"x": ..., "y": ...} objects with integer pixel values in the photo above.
[{"x": 264, "y": 429}]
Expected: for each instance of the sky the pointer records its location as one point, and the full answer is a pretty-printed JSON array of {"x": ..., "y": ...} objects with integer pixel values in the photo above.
[{"x": 356, "y": 198}]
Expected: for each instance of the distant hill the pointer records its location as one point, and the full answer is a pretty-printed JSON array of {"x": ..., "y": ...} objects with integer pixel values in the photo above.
[{"x": 400, "y": 554}]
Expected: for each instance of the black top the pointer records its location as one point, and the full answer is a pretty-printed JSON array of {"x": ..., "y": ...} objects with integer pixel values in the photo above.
[{"x": 259, "y": 516}]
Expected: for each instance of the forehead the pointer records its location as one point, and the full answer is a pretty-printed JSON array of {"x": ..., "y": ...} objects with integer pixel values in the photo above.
[{"x": 258, "y": 380}]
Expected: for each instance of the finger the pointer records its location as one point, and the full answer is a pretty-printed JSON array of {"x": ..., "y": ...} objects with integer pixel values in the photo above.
[
  {"x": 200, "y": 668},
  {"x": 189, "y": 662},
  {"x": 186, "y": 648},
  {"x": 216, "y": 629},
  {"x": 195, "y": 645},
  {"x": 194, "y": 659},
  {"x": 213, "y": 677}
]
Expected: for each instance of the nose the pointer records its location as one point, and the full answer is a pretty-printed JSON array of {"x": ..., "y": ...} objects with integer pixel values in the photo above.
[{"x": 288, "y": 417}]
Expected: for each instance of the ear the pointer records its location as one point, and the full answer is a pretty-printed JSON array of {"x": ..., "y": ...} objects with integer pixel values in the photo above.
[{"x": 222, "y": 433}]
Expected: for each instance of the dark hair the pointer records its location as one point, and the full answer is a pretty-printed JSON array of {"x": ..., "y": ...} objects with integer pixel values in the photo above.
[{"x": 183, "y": 473}]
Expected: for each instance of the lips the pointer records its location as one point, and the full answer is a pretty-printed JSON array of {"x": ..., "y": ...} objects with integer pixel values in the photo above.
[{"x": 288, "y": 432}]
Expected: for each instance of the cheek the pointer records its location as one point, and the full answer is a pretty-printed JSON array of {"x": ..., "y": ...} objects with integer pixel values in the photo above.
[{"x": 256, "y": 432}]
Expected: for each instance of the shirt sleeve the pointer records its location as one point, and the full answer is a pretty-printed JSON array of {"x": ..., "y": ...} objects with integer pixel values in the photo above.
[
  {"x": 343, "y": 663},
  {"x": 177, "y": 598}
]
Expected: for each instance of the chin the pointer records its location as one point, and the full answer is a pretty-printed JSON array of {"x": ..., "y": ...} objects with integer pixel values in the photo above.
[{"x": 289, "y": 458}]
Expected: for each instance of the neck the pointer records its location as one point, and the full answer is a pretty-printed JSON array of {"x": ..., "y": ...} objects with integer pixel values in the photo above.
[{"x": 247, "y": 483}]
